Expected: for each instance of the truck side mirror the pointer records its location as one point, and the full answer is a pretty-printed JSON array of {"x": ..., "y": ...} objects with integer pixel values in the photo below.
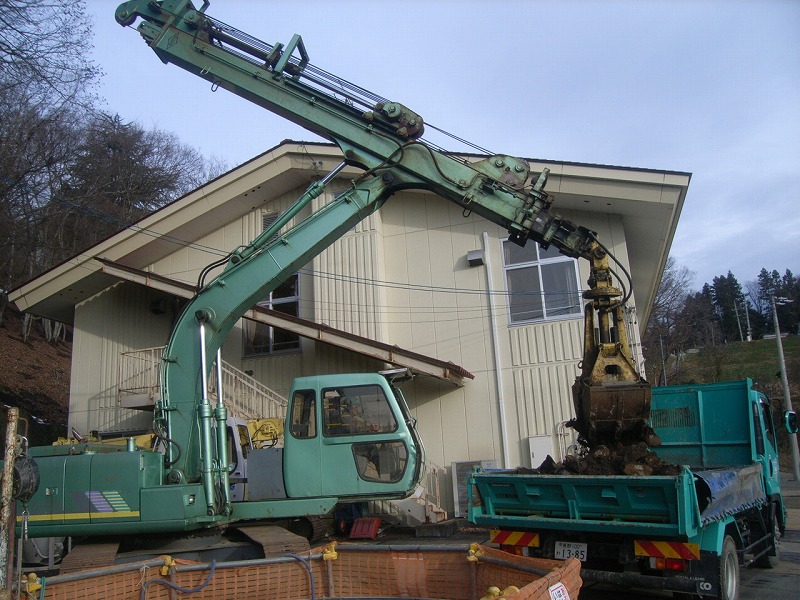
[{"x": 790, "y": 421}]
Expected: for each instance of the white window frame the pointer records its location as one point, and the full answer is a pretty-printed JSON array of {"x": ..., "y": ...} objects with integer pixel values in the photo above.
[
  {"x": 273, "y": 303},
  {"x": 551, "y": 258}
]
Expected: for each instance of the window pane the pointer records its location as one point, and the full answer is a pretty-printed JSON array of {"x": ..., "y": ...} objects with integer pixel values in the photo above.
[
  {"x": 385, "y": 462},
  {"x": 288, "y": 289},
  {"x": 525, "y": 299},
  {"x": 256, "y": 337},
  {"x": 514, "y": 255},
  {"x": 282, "y": 339},
  {"x": 355, "y": 410},
  {"x": 551, "y": 252},
  {"x": 303, "y": 422},
  {"x": 263, "y": 339},
  {"x": 562, "y": 296}
]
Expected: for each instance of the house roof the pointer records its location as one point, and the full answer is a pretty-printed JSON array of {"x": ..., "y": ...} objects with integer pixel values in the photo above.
[{"x": 649, "y": 202}]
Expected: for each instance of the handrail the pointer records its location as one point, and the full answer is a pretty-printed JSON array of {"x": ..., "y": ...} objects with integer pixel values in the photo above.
[{"x": 247, "y": 398}]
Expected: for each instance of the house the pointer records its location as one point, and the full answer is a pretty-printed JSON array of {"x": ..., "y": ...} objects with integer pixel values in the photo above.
[{"x": 492, "y": 331}]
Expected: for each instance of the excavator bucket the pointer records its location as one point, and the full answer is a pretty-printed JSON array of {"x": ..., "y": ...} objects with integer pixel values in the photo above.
[
  {"x": 612, "y": 402},
  {"x": 613, "y": 413}
]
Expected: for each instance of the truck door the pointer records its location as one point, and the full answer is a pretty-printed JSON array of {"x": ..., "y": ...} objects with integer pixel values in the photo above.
[{"x": 766, "y": 445}]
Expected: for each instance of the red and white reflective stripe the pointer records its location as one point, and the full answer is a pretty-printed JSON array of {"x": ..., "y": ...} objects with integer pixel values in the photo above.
[
  {"x": 514, "y": 538},
  {"x": 666, "y": 549}
]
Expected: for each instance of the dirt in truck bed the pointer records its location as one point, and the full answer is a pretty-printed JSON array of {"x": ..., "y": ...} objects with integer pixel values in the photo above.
[{"x": 630, "y": 459}]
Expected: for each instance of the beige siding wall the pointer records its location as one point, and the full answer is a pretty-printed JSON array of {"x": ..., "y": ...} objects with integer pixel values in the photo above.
[
  {"x": 119, "y": 320},
  {"x": 114, "y": 321},
  {"x": 343, "y": 291},
  {"x": 442, "y": 309}
]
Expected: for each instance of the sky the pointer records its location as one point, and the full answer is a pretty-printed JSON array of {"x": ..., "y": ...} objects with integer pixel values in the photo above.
[{"x": 706, "y": 87}]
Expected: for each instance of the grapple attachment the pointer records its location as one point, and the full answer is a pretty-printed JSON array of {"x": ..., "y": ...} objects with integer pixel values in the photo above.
[{"x": 611, "y": 399}]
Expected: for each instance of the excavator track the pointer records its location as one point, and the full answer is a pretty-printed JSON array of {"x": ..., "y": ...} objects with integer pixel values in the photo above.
[
  {"x": 312, "y": 527},
  {"x": 89, "y": 556},
  {"x": 275, "y": 540}
]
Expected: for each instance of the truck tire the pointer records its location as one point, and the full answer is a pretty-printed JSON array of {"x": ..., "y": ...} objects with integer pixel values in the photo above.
[{"x": 728, "y": 571}]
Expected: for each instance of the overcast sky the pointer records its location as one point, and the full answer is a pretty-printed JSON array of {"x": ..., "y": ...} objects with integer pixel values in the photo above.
[{"x": 711, "y": 88}]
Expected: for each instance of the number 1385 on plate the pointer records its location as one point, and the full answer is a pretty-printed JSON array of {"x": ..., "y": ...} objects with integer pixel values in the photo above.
[{"x": 565, "y": 550}]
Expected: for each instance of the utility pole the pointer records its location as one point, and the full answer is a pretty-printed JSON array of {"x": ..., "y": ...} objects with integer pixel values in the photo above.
[
  {"x": 8, "y": 504},
  {"x": 738, "y": 320},
  {"x": 787, "y": 399},
  {"x": 749, "y": 330}
]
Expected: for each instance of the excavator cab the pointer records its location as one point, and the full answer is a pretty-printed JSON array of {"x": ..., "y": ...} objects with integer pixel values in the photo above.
[{"x": 349, "y": 435}]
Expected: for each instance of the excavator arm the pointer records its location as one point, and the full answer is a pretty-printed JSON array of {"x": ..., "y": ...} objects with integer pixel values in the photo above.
[{"x": 384, "y": 139}]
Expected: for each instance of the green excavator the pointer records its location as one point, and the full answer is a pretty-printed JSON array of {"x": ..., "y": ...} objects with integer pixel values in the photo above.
[{"x": 90, "y": 490}]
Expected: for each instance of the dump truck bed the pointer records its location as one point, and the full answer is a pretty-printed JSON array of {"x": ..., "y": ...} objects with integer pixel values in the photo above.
[
  {"x": 654, "y": 506},
  {"x": 708, "y": 429},
  {"x": 651, "y": 506}
]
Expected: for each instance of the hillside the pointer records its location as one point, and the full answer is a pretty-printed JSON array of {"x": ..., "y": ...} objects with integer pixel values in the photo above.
[
  {"x": 35, "y": 377},
  {"x": 757, "y": 360}
]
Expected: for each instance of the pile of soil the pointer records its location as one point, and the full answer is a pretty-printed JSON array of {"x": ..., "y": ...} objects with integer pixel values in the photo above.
[{"x": 622, "y": 459}]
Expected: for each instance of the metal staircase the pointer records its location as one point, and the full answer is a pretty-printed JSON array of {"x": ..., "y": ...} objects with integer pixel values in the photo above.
[
  {"x": 423, "y": 507},
  {"x": 138, "y": 386}
]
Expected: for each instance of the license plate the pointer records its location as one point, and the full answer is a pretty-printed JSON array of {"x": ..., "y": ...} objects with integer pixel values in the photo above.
[{"x": 565, "y": 550}]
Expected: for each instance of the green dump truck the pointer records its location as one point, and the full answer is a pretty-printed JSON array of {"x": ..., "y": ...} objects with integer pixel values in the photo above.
[{"x": 688, "y": 533}]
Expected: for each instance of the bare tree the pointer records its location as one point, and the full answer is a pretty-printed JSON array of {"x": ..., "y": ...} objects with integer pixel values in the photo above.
[
  {"x": 44, "y": 45},
  {"x": 70, "y": 175},
  {"x": 34, "y": 147},
  {"x": 44, "y": 76},
  {"x": 663, "y": 334},
  {"x": 117, "y": 174}
]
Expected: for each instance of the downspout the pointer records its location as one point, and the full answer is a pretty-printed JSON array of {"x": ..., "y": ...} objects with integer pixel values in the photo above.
[{"x": 498, "y": 366}]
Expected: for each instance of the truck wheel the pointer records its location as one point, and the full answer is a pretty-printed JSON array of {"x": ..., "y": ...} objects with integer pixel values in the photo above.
[{"x": 728, "y": 571}]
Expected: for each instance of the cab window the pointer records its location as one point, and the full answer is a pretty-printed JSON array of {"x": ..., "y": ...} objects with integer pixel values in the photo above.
[
  {"x": 303, "y": 421},
  {"x": 244, "y": 439},
  {"x": 383, "y": 462},
  {"x": 356, "y": 410},
  {"x": 769, "y": 425},
  {"x": 758, "y": 429}
]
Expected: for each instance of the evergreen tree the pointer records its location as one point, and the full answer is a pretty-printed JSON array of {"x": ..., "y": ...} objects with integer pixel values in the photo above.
[
  {"x": 728, "y": 300},
  {"x": 699, "y": 320},
  {"x": 771, "y": 284}
]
